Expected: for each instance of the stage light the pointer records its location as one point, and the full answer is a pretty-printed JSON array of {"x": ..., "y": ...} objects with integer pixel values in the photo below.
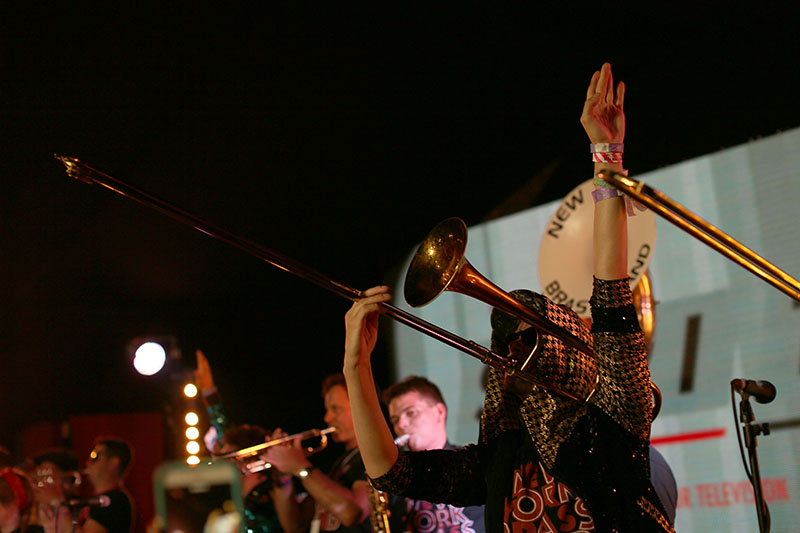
[
  {"x": 192, "y": 447},
  {"x": 152, "y": 354},
  {"x": 190, "y": 390},
  {"x": 192, "y": 433},
  {"x": 193, "y": 460},
  {"x": 149, "y": 358},
  {"x": 191, "y": 418}
]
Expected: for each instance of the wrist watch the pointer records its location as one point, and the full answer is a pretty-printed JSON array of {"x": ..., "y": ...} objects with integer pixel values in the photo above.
[{"x": 302, "y": 474}]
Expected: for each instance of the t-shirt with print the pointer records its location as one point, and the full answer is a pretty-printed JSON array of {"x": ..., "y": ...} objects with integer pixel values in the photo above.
[
  {"x": 538, "y": 502},
  {"x": 419, "y": 516}
]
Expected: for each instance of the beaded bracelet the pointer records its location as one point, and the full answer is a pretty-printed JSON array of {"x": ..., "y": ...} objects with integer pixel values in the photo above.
[
  {"x": 607, "y": 147},
  {"x": 603, "y": 183}
]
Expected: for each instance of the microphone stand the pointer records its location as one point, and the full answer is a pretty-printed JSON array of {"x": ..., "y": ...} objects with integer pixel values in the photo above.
[{"x": 751, "y": 431}]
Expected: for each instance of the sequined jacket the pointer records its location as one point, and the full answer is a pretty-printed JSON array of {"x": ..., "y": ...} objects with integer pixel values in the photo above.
[{"x": 597, "y": 448}]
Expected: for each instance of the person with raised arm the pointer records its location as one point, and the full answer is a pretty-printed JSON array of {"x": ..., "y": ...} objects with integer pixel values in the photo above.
[{"x": 544, "y": 461}]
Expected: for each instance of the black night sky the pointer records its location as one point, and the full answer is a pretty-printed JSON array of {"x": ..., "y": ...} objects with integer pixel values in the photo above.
[{"x": 337, "y": 136}]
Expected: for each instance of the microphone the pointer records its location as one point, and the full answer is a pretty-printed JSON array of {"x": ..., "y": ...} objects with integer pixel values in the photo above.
[
  {"x": 762, "y": 391},
  {"x": 96, "y": 501}
]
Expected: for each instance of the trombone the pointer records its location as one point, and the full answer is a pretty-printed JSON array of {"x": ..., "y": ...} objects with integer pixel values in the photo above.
[
  {"x": 454, "y": 231},
  {"x": 250, "y": 462},
  {"x": 695, "y": 226}
]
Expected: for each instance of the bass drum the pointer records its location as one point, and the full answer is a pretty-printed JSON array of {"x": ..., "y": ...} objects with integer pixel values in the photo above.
[
  {"x": 565, "y": 252},
  {"x": 646, "y": 309},
  {"x": 565, "y": 261}
]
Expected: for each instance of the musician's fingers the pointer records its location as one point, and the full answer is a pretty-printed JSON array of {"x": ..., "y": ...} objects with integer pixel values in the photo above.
[
  {"x": 372, "y": 291},
  {"x": 593, "y": 85}
]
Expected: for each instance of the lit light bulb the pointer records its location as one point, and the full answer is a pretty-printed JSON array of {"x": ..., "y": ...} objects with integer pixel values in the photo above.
[
  {"x": 190, "y": 390},
  {"x": 191, "y": 418},
  {"x": 149, "y": 358}
]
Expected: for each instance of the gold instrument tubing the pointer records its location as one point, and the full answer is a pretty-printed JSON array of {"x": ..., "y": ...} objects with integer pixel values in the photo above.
[{"x": 707, "y": 233}]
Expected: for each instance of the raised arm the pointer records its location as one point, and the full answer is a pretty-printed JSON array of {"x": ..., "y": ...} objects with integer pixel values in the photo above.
[
  {"x": 212, "y": 400},
  {"x": 603, "y": 118},
  {"x": 624, "y": 389},
  {"x": 375, "y": 441}
]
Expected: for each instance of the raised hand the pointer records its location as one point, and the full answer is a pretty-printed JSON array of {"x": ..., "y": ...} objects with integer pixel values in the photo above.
[
  {"x": 202, "y": 376},
  {"x": 603, "y": 115},
  {"x": 361, "y": 325}
]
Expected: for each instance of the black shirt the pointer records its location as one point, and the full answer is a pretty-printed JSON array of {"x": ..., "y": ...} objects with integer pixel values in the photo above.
[
  {"x": 419, "y": 516},
  {"x": 346, "y": 471},
  {"x": 118, "y": 516}
]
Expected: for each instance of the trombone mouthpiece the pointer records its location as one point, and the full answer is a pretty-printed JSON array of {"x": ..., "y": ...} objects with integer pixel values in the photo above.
[
  {"x": 403, "y": 439},
  {"x": 73, "y": 165}
]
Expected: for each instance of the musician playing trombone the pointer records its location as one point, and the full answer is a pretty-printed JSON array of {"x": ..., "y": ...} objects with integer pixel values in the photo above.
[{"x": 544, "y": 461}]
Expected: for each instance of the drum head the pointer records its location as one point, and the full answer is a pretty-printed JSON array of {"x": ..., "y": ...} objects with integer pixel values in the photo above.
[{"x": 565, "y": 252}]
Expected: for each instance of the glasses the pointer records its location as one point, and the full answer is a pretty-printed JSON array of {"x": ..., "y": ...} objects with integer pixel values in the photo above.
[
  {"x": 411, "y": 412},
  {"x": 95, "y": 455},
  {"x": 529, "y": 337},
  {"x": 45, "y": 477}
]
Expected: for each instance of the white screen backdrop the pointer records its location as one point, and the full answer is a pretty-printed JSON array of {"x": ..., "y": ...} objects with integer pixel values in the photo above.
[{"x": 744, "y": 328}]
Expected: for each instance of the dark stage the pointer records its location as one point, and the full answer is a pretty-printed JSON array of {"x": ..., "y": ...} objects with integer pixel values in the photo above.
[{"x": 337, "y": 137}]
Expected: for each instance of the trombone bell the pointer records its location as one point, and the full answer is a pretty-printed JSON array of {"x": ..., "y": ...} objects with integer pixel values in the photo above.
[
  {"x": 438, "y": 260},
  {"x": 439, "y": 265}
]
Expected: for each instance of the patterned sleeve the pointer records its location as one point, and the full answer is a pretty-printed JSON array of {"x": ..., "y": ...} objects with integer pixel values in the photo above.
[
  {"x": 500, "y": 408},
  {"x": 624, "y": 390},
  {"x": 454, "y": 477}
]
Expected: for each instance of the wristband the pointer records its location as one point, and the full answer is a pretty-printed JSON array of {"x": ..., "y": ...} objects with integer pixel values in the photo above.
[
  {"x": 607, "y": 157},
  {"x": 607, "y": 147},
  {"x": 604, "y": 194},
  {"x": 603, "y": 183},
  {"x": 282, "y": 481}
]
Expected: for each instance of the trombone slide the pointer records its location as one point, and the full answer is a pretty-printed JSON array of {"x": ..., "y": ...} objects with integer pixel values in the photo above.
[{"x": 707, "y": 233}]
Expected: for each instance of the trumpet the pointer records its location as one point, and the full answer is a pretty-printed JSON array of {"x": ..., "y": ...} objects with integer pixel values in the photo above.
[{"x": 250, "y": 462}]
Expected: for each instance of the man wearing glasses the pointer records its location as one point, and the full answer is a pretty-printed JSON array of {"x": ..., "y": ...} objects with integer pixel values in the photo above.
[
  {"x": 108, "y": 462},
  {"x": 418, "y": 414}
]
